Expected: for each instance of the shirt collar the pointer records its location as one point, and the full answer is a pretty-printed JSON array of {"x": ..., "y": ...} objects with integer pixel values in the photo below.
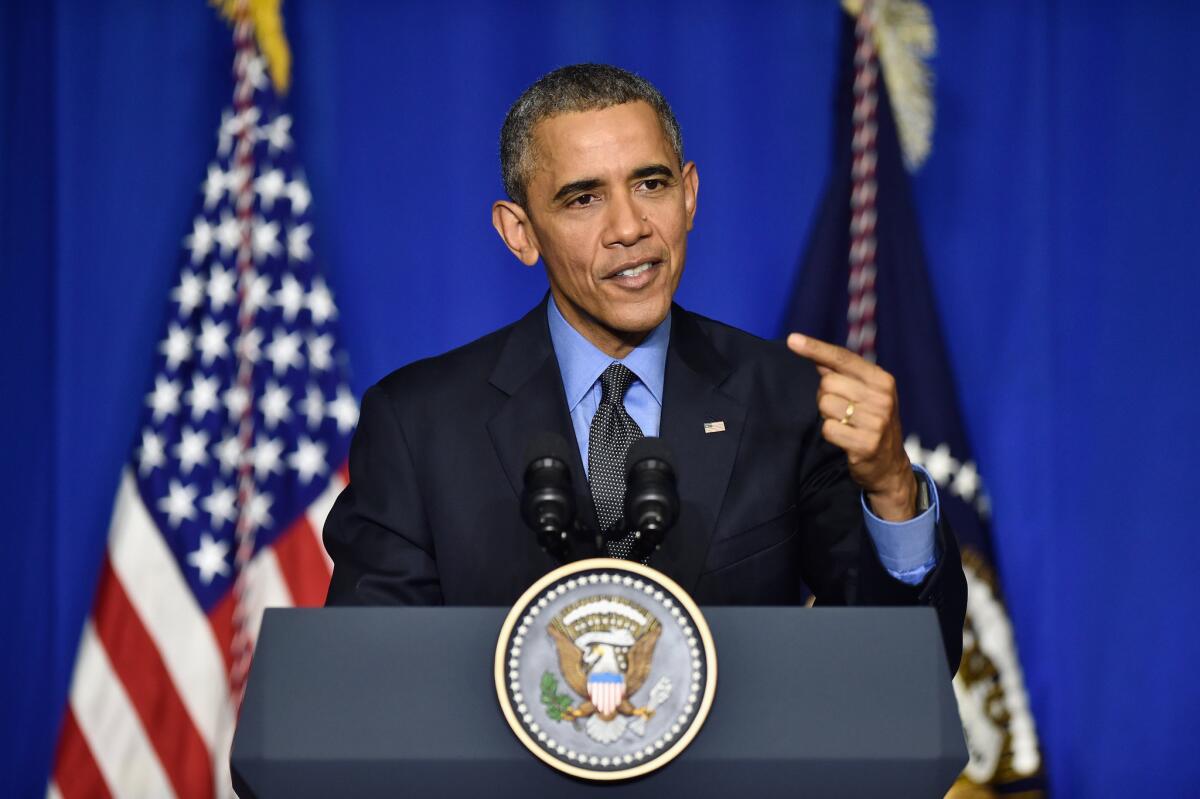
[{"x": 582, "y": 362}]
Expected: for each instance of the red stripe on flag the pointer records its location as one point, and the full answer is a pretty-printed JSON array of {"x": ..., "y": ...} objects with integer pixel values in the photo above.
[
  {"x": 344, "y": 471},
  {"x": 300, "y": 559},
  {"x": 138, "y": 664},
  {"x": 75, "y": 768},
  {"x": 221, "y": 620}
]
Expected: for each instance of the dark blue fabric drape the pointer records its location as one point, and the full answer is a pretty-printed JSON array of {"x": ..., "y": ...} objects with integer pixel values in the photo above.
[{"x": 1058, "y": 211}]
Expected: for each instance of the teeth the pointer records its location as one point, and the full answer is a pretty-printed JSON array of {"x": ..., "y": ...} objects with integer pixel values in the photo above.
[{"x": 635, "y": 271}]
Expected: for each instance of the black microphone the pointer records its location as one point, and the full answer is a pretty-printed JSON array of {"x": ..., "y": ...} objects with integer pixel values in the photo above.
[
  {"x": 547, "y": 501},
  {"x": 651, "y": 498}
]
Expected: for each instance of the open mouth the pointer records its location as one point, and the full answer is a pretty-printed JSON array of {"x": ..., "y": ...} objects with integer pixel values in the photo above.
[
  {"x": 637, "y": 270},
  {"x": 632, "y": 272}
]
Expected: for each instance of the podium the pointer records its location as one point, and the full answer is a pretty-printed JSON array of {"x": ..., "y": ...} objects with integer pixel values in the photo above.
[{"x": 364, "y": 702}]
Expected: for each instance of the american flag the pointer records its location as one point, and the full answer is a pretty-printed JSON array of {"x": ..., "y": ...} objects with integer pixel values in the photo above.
[{"x": 240, "y": 455}]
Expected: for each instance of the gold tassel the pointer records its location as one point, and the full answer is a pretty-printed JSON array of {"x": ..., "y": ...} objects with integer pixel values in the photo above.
[
  {"x": 267, "y": 18},
  {"x": 905, "y": 39}
]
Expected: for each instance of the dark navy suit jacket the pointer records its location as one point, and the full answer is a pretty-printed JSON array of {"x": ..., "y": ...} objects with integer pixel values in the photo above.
[{"x": 766, "y": 507}]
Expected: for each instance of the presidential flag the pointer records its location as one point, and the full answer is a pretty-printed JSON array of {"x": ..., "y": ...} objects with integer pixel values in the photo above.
[
  {"x": 244, "y": 435},
  {"x": 864, "y": 282}
]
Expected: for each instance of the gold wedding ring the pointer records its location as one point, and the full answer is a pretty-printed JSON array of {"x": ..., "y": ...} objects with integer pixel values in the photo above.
[{"x": 849, "y": 412}]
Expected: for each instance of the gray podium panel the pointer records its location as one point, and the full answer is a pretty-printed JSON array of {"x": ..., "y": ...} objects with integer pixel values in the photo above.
[{"x": 838, "y": 702}]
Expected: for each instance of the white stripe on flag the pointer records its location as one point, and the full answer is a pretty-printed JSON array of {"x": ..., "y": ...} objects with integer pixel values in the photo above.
[
  {"x": 222, "y": 777},
  {"x": 168, "y": 610},
  {"x": 53, "y": 792},
  {"x": 265, "y": 588},
  {"x": 318, "y": 511},
  {"x": 111, "y": 726}
]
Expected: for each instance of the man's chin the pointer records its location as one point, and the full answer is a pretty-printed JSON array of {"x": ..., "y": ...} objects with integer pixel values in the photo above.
[
  {"x": 640, "y": 321},
  {"x": 624, "y": 320}
]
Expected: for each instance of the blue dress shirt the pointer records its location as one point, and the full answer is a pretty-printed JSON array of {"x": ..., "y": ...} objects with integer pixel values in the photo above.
[{"x": 906, "y": 549}]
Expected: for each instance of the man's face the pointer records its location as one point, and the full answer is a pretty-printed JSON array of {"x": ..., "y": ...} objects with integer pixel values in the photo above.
[{"x": 609, "y": 210}]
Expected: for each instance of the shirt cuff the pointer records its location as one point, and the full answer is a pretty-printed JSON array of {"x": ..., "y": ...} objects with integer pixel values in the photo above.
[{"x": 907, "y": 549}]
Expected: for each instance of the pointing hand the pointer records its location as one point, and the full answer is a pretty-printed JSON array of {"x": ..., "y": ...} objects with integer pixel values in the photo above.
[{"x": 858, "y": 401}]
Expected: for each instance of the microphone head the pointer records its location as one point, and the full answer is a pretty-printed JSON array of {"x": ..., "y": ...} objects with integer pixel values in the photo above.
[
  {"x": 547, "y": 445},
  {"x": 651, "y": 498},
  {"x": 547, "y": 503}
]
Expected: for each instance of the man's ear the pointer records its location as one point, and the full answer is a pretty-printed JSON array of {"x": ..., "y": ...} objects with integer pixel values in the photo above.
[
  {"x": 691, "y": 188},
  {"x": 512, "y": 223}
]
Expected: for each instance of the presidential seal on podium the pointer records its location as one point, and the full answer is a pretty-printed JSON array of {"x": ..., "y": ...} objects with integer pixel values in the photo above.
[{"x": 605, "y": 669}]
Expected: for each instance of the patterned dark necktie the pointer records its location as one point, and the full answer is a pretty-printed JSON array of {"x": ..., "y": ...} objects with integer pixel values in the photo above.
[{"x": 612, "y": 432}]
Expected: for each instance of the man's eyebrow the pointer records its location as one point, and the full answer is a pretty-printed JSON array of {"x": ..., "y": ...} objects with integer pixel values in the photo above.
[
  {"x": 591, "y": 184},
  {"x": 587, "y": 184},
  {"x": 652, "y": 170}
]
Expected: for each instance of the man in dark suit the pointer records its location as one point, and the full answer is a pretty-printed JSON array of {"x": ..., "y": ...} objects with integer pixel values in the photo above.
[{"x": 791, "y": 470}]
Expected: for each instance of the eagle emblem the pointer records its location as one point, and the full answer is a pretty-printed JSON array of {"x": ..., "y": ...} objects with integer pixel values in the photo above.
[
  {"x": 605, "y": 650},
  {"x": 605, "y": 669}
]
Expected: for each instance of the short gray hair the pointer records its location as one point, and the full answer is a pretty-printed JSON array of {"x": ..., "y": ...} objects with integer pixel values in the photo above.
[{"x": 579, "y": 87}]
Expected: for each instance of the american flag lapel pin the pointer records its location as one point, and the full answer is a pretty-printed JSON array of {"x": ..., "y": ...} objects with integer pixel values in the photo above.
[{"x": 714, "y": 427}]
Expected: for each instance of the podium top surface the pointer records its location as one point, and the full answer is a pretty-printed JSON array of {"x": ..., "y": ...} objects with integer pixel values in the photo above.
[{"x": 409, "y": 692}]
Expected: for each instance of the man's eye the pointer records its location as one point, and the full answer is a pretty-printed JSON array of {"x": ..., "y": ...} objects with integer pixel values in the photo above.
[
  {"x": 583, "y": 200},
  {"x": 652, "y": 184}
]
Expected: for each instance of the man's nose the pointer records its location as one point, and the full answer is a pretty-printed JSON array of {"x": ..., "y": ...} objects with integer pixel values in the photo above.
[{"x": 627, "y": 224}]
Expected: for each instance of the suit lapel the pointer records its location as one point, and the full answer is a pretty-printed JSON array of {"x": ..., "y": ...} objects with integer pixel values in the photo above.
[
  {"x": 527, "y": 371},
  {"x": 703, "y": 460}
]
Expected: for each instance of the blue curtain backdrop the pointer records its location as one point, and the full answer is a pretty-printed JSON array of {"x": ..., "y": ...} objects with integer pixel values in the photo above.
[{"x": 1058, "y": 208}]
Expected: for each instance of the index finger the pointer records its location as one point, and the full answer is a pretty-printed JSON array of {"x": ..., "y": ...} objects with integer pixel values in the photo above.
[{"x": 831, "y": 356}]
